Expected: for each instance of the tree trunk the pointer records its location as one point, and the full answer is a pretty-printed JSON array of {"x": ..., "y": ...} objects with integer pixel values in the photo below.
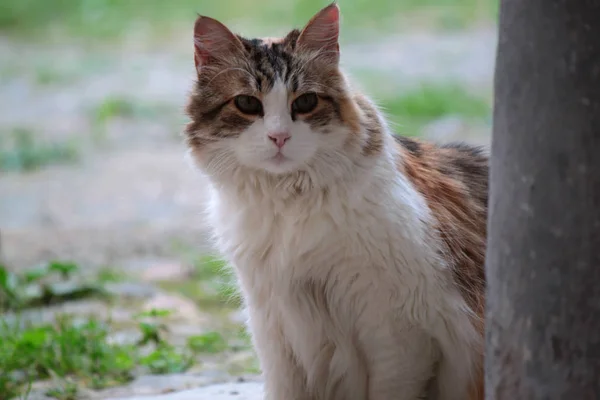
[{"x": 543, "y": 260}]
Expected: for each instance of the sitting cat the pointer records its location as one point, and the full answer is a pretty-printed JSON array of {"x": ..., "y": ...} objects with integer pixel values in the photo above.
[{"x": 360, "y": 254}]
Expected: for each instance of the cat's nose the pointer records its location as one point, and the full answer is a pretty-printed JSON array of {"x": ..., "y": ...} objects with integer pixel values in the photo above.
[{"x": 279, "y": 138}]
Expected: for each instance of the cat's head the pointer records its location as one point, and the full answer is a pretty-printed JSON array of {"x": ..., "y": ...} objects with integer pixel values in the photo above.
[{"x": 277, "y": 107}]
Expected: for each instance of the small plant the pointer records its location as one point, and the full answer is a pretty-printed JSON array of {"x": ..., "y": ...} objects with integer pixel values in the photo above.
[
  {"x": 40, "y": 272},
  {"x": 47, "y": 74},
  {"x": 65, "y": 269},
  {"x": 155, "y": 313},
  {"x": 43, "y": 285},
  {"x": 110, "y": 275},
  {"x": 25, "y": 393},
  {"x": 113, "y": 107},
  {"x": 125, "y": 107},
  {"x": 211, "y": 342},
  {"x": 65, "y": 390},
  {"x": 166, "y": 359},
  {"x": 9, "y": 294},
  {"x": 25, "y": 153},
  {"x": 151, "y": 327}
]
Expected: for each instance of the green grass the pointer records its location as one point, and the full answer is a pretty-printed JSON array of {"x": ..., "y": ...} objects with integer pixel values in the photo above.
[
  {"x": 126, "y": 107},
  {"x": 80, "y": 354},
  {"x": 65, "y": 390},
  {"x": 44, "y": 285},
  {"x": 211, "y": 286},
  {"x": 47, "y": 76},
  {"x": 113, "y": 18},
  {"x": 110, "y": 275},
  {"x": 20, "y": 151},
  {"x": 211, "y": 342},
  {"x": 62, "y": 350},
  {"x": 77, "y": 352},
  {"x": 426, "y": 103},
  {"x": 113, "y": 107}
]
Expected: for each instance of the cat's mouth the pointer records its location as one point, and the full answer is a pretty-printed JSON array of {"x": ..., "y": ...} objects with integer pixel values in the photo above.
[
  {"x": 279, "y": 164},
  {"x": 279, "y": 159}
]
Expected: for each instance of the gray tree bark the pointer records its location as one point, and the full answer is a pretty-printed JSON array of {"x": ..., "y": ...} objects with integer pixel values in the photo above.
[{"x": 543, "y": 260}]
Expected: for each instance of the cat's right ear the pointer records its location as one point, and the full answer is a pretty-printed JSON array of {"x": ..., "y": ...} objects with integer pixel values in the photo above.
[{"x": 213, "y": 42}]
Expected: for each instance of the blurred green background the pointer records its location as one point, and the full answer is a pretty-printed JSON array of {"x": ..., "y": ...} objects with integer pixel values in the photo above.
[{"x": 112, "y": 18}]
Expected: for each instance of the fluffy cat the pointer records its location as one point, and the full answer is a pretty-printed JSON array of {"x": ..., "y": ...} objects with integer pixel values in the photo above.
[{"x": 359, "y": 253}]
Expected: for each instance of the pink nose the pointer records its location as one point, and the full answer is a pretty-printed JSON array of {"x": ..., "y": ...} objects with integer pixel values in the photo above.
[{"x": 279, "y": 138}]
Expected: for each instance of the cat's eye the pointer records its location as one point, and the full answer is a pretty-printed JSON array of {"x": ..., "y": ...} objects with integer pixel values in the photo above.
[
  {"x": 248, "y": 104},
  {"x": 305, "y": 103}
]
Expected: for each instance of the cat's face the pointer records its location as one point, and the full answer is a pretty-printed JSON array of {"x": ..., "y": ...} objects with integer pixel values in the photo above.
[{"x": 274, "y": 105}]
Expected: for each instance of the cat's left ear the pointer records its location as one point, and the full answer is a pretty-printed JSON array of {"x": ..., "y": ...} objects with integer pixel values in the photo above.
[{"x": 322, "y": 33}]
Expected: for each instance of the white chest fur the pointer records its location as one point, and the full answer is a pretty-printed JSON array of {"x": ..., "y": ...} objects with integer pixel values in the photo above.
[{"x": 350, "y": 285}]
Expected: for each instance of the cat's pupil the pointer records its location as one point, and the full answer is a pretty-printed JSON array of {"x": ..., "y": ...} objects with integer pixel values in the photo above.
[
  {"x": 305, "y": 103},
  {"x": 248, "y": 104}
]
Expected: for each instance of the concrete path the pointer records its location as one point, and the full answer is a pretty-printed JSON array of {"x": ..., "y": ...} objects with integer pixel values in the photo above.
[{"x": 226, "y": 391}]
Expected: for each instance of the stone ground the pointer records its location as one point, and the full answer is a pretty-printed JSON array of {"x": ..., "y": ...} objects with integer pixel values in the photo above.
[{"x": 131, "y": 201}]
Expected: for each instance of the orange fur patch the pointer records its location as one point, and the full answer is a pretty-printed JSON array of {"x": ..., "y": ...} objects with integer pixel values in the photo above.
[{"x": 453, "y": 180}]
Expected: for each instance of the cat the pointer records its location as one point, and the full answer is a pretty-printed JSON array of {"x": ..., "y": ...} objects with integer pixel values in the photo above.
[{"x": 359, "y": 253}]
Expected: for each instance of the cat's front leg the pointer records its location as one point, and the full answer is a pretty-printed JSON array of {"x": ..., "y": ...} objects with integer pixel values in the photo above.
[
  {"x": 284, "y": 379},
  {"x": 400, "y": 366}
]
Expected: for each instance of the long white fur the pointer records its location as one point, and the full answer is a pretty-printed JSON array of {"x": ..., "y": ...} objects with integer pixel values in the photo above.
[{"x": 346, "y": 293}]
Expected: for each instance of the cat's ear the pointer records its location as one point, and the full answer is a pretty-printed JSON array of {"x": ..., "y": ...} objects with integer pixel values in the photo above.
[
  {"x": 213, "y": 42},
  {"x": 322, "y": 32}
]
